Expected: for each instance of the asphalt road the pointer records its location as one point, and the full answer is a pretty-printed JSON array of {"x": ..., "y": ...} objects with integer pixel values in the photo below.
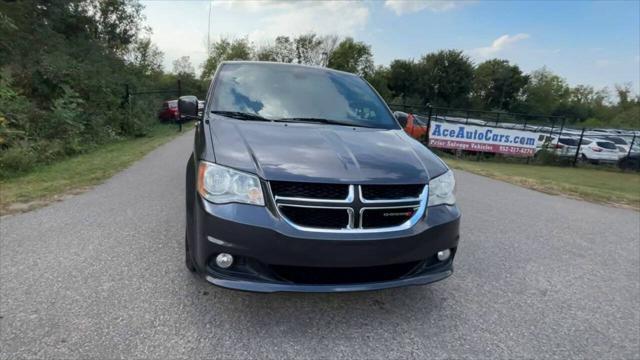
[{"x": 101, "y": 275}]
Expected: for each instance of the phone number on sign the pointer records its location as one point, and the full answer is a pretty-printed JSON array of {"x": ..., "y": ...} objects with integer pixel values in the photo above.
[{"x": 514, "y": 150}]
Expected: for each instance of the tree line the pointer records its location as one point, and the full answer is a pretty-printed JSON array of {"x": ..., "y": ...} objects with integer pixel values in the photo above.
[
  {"x": 64, "y": 65},
  {"x": 446, "y": 78}
]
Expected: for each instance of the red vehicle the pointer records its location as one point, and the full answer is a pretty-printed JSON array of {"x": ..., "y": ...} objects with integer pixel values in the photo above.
[
  {"x": 169, "y": 111},
  {"x": 414, "y": 125}
]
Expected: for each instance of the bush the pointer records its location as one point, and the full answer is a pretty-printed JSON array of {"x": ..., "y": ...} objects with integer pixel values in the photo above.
[{"x": 18, "y": 158}]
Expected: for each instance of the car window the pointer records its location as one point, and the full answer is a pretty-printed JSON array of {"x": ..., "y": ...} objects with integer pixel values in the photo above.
[
  {"x": 418, "y": 120},
  {"x": 606, "y": 145},
  {"x": 617, "y": 140},
  {"x": 586, "y": 142},
  {"x": 401, "y": 117},
  {"x": 568, "y": 141},
  {"x": 276, "y": 91}
]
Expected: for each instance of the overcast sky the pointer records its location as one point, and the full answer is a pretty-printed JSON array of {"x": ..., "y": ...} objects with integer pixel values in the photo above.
[{"x": 594, "y": 43}]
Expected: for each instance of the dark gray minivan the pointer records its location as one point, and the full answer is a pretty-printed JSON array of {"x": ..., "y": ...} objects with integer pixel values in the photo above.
[{"x": 301, "y": 179}]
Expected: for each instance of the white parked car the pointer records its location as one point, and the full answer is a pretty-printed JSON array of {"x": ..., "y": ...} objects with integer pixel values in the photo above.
[
  {"x": 598, "y": 150},
  {"x": 622, "y": 144},
  {"x": 564, "y": 147}
]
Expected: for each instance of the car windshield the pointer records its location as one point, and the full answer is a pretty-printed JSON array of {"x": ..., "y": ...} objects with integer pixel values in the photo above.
[{"x": 298, "y": 93}]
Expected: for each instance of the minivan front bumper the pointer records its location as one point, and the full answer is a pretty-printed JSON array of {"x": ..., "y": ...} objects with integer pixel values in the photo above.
[{"x": 263, "y": 244}]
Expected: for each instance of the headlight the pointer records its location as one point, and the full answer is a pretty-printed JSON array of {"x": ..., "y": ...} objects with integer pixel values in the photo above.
[
  {"x": 221, "y": 184},
  {"x": 441, "y": 189}
]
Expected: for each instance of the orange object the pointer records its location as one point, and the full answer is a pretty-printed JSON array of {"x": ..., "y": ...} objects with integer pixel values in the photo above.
[{"x": 415, "y": 127}]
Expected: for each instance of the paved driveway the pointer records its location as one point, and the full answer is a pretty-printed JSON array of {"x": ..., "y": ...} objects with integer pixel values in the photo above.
[{"x": 101, "y": 275}]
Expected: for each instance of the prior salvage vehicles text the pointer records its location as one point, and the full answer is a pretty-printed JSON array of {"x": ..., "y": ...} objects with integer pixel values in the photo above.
[{"x": 301, "y": 179}]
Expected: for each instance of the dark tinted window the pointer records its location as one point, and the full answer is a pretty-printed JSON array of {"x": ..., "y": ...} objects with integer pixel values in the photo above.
[
  {"x": 419, "y": 120},
  {"x": 568, "y": 141},
  {"x": 617, "y": 140},
  {"x": 586, "y": 142},
  {"x": 277, "y": 91},
  {"x": 401, "y": 117},
  {"x": 606, "y": 145}
]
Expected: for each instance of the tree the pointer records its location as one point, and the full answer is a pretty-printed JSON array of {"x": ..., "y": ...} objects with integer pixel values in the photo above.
[
  {"x": 497, "y": 84},
  {"x": 545, "y": 93},
  {"x": 118, "y": 23},
  {"x": 282, "y": 50},
  {"x": 308, "y": 49},
  {"x": 624, "y": 94},
  {"x": 225, "y": 49},
  {"x": 146, "y": 56},
  {"x": 379, "y": 79},
  {"x": 402, "y": 78},
  {"x": 183, "y": 68},
  {"x": 352, "y": 56},
  {"x": 445, "y": 78}
]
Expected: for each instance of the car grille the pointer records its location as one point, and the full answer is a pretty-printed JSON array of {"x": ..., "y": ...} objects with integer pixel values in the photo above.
[
  {"x": 330, "y": 218},
  {"x": 309, "y": 190},
  {"x": 354, "y": 275},
  {"x": 386, "y": 192},
  {"x": 338, "y": 207},
  {"x": 386, "y": 217}
]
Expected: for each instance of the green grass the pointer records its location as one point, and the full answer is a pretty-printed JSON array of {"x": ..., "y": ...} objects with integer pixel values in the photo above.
[
  {"x": 73, "y": 175},
  {"x": 592, "y": 184}
]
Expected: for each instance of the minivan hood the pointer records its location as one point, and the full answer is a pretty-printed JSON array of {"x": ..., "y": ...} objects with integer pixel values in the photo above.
[{"x": 322, "y": 153}]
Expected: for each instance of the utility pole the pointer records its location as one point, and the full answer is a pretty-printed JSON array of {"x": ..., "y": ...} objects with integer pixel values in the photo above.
[{"x": 209, "y": 31}]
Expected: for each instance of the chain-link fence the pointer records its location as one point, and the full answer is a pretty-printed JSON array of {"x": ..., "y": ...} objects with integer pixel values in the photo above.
[{"x": 145, "y": 105}]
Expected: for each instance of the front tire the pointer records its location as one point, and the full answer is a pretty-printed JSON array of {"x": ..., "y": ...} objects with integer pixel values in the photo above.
[
  {"x": 188, "y": 259},
  {"x": 189, "y": 197}
]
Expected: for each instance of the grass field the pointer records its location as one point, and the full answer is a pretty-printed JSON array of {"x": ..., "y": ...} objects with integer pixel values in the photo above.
[
  {"x": 73, "y": 175},
  {"x": 597, "y": 185}
]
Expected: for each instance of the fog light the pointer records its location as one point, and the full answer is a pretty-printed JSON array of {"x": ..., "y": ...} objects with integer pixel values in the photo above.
[
  {"x": 224, "y": 260},
  {"x": 444, "y": 254}
]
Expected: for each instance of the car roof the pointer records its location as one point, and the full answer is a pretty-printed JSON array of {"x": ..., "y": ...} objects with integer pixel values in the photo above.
[{"x": 287, "y": 64}]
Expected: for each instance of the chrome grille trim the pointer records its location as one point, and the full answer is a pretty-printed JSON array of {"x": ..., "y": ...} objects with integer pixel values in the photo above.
[
  {"x": 348, "y": 204},
  {"x": 349, "y": 199},
  {"x": 385, "y": 201},
  {"x": 307, "y": 228}
]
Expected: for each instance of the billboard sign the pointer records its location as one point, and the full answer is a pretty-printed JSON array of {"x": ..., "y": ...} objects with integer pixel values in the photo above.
[{"x": 448, "y": 135}]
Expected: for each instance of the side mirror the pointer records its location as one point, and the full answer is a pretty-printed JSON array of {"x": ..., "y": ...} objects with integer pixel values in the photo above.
[
  {"x": 188, "y": 107},
  {"x": 402, "y": 118}
]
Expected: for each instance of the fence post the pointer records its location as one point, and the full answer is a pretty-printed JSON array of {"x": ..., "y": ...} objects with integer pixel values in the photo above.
[
  {"x": 497, "y": 119},
  {"x": 561, "y": 127},
  {"x": 179, "y": 116},
  {"x": 575, "y": 158},
  {"x": 426, "y": 135},
  {"x": 631, "y": 145}
]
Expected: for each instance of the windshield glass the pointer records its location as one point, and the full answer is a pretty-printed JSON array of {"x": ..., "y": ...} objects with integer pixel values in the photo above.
[{"x": 275, "y": 91}]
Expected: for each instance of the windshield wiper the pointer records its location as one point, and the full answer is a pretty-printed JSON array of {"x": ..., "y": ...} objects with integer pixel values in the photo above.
[
  {"x": 320, "y": 120},
  {"x": 240, "y": 115}
]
